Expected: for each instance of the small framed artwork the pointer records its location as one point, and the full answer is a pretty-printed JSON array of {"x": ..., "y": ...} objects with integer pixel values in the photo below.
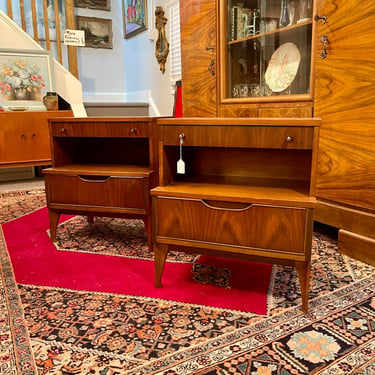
[
  {"x": 93, "y": 4},
  {"x": 98, "y": 31},
  {"x": 134, "y": 14},
  {"x": 25, "y": 77}
]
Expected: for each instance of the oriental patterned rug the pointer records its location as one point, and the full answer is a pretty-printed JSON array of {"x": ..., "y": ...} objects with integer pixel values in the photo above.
[
  {"x": 88, "y": 265},
  {"x": 48, "y": 330}
]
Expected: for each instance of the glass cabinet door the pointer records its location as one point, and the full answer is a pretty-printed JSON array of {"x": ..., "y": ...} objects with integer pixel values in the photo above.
[{"x": 267, "y": 48}]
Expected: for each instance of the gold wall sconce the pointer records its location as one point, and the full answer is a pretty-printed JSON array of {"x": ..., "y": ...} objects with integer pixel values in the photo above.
[{"x": 162, "y": 45}]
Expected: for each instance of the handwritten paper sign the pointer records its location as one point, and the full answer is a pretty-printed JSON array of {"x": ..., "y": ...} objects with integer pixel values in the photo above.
[{"x": 74, "y": 38}]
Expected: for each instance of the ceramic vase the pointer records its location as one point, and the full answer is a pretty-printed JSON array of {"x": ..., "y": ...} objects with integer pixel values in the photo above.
[{"x": 21, "y": 93}]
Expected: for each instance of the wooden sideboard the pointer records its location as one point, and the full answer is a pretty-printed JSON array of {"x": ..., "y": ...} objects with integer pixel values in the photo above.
[
  {"x": 247, "y": 191},
  {"x": 24, "y": 137},
  {"x": 101, "y": 166}
]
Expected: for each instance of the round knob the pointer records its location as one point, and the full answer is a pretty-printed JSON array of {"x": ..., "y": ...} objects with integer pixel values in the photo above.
[
  {"x": 289, "y": 138},
  {"x": 132, "y": 130},
  {"x": 62, "y": 130}
]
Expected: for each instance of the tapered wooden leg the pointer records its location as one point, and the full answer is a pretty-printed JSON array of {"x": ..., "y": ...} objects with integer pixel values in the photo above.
[
  {"x": 303, "y": 269},
  {"x": 54, "y": 217},
  {"x": 147, "y": 222},
  {"x": 161, "y": 252}
]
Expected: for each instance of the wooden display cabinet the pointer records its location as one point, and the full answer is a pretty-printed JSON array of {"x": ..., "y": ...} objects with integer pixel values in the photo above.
[
  {"x": 246, "y": 63},
  {"x": 101, "y": 166},
  {"x": 24, "y": 137},
  {"x": 247, "y": 191},
  {"x": 265, "y": 55},
  {"x": 328, "y": 85}
]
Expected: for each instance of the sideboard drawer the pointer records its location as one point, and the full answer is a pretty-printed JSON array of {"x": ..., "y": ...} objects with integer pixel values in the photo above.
[
  {"x": 275, "y": 228},
  {"x": 88, "y": 129},
  {"x": 293, "y": 137},
  {"x": 98, "y": 191}
]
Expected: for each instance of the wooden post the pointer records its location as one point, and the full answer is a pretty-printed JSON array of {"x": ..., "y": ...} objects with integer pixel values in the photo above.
[
  {"x": 9, "y": 9},
  {"x": 46, "y": 26},
  {"x": 35, "y": 22},
  {"x": 58, "y": 36},
  {"x": 72, "y": 50}
]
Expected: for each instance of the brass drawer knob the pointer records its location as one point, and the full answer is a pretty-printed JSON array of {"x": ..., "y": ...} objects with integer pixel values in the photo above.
[{"x": 289, "y": 138}]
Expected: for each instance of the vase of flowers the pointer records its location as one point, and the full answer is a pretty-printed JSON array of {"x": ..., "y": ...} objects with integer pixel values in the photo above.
[
  {"x": 21, "y": 93},
  {"x": 20, "y": 80}
]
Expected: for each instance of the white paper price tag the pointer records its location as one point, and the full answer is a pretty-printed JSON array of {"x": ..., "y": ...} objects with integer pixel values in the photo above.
[
  {"x": 181, "y": 167},
  {"x": 181, "y": 163}
]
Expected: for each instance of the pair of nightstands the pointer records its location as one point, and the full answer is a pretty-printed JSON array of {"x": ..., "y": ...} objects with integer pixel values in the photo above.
[{"x": 246, "y": 189}]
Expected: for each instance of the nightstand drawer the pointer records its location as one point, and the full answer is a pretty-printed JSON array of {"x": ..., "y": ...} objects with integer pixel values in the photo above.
[
  {"x": 98, "y": 191},
  {"x": 293, "y": 137},
  {"x": 99, "y": 129},
  {"x": 273, "y": 228}
]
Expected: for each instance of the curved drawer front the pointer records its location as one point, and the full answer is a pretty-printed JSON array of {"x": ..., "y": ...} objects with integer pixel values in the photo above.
[
  {"x": 292, "y": 137},
  {"x": 99, "y": 191},
  {"x": 256, "y": 226}
]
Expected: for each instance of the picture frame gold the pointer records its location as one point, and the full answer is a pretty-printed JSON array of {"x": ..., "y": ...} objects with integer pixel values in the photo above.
[
  {"x": 93, "y": 4},
  {"x": 134, "y": 15},
  {"x": 98, "y": 31},
  {"x": 25, "y": 77}
]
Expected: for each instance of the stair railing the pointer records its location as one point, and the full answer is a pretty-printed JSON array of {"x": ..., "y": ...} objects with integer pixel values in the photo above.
[{"x": 39, "y": 18}]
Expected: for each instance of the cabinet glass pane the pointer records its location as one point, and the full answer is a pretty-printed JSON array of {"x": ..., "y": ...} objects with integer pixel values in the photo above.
[{"x": 268, "y": 48}]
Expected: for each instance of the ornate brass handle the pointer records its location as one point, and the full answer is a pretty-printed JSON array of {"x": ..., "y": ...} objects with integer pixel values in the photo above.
[
  {"x": 324, "y": 40},
  {"x": 323, "y": 18},
  {"x": 211, "y": 67}
]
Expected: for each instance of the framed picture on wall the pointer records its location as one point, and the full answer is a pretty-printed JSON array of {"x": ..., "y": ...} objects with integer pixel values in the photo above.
[
  {"x": 25, "y": 77},
  {"x": 98, "y": 31},
  {"x": 93, "y": 4},
  {"x": 134, "y": 14}
]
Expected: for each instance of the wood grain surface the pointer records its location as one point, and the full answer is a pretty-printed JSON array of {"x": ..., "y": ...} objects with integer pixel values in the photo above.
[
  {"x": 345, "y": 102},
  {"x": 198, "y": 46}
]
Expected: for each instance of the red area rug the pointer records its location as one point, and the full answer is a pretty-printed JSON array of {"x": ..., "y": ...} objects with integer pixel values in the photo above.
[{"x": 229, "y": 284}]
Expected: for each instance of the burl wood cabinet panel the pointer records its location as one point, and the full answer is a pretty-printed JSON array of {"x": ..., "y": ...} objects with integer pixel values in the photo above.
[
  {"x": 198, "y": 47},
  {"x": 344, "y": 92}
]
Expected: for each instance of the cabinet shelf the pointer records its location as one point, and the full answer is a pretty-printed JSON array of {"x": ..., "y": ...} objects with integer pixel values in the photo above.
[
  {"x": 246, "y": 190},
  {"x": 101, "y": 170},
  {"x": 273, "y": 32}
]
